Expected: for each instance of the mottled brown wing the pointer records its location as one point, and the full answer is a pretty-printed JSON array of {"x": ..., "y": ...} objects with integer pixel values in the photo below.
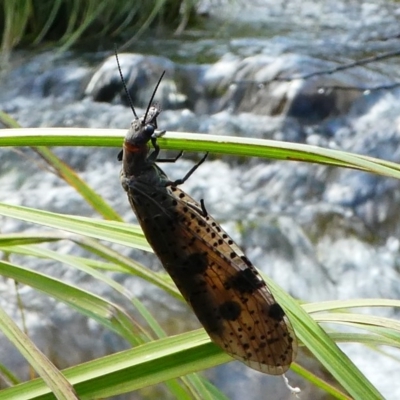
[
  {"x": 226, "y": 292},
  {"x": 254, "y": 326}
]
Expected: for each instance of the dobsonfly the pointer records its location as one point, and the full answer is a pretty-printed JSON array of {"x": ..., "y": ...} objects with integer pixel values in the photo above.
[{"x": 224, "y": 289}]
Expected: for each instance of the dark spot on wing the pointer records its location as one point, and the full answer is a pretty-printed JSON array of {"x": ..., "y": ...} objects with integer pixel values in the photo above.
[
  {"x": 205, "y": 311},
  {"x": 196, "y": 263},
  {"x": 245, "y": 281},
  {"x": 230, "y": 310},
  {"x": 276, "y": 312},
  {"x": 246, "y": 261},
  {"x": 273, "y": 340}
]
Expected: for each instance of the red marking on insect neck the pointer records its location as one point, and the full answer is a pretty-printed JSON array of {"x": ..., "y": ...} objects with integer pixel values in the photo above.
[{"x": 134, "y": 148}]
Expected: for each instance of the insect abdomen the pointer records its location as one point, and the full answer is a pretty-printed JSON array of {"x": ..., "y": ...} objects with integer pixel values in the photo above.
[{"x": 224, "y": 289}]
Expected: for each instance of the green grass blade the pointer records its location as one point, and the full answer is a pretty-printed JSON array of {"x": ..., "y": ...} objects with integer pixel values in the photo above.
[
  {"x": 271, "y": 149},
  {"x": 315, "y": 339},
  {"x": 132, "y": 369},
  {"x": 112, "y": 231},
  {"x": 53, "y": 378},
  {"x": 104, "y": 312},
  {"x": 130, "y": 266},
  {"x": 48, "y": 22},
  {"x": 66, "y": 173},
  {"x": 15, "y": 239},
  {"x": 192, "y": 384},
  {"x": 118, "y": 262},
  {"x": 320, "y": 383},
  {"x": 350, "y": 303},
  {"x": 324, "y": 348},
  {"x": 371, "y": 340},
  {"x": 310, "y": 333},
  {"x": 361, "y": 319}
]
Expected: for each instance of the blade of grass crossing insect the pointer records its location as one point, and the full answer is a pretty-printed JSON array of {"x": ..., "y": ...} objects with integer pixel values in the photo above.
[
  {"x": 118, "y": 263},
  {"x": 112, "y": 231},
  {"x": 130, "y": 266},
  {"x": 200, "y": 142},
  {"x": 174, "y": 386},
  {"x": 191, "y": 383}
]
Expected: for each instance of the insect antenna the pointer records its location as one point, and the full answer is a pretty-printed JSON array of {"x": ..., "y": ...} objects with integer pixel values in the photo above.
[
  {"x": 125, "y": 87},
  {"x": 152, "y": 96}
]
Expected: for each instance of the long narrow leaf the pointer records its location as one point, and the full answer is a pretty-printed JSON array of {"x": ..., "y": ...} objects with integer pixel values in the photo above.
[
  {"x": 15, "y": 239},
  {"x": 53, "y": 378},
  {"x": 65, "y": 172},
  {"x": 361, "y": 319},
  {"x": 69, "y": 175},
  {"x": 133, "y": 369},
  {"x": 350, "y": 303},
  {"x": 112, "y": 231},
  {"x": 95, "y": 307},
  {"x": 325, "y": 349},
  {"x": 199, "y": 142},
  {"x": 117, "y": 262}
]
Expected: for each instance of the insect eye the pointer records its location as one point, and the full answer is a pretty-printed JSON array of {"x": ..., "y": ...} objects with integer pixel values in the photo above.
[{"x": 149, "y": 129}]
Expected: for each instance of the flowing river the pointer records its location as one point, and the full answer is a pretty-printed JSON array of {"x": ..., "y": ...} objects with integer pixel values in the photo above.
[{"x": 322, "y": 233}]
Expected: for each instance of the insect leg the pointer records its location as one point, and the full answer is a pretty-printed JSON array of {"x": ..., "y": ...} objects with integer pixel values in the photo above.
[
  {"x": 154, "y": 137},
  {"x": 170, "y": 160},
  {"x": 201, "y": 210},
  {"x": 187, "y": 176},
  {"x": 153, "y": 156}
]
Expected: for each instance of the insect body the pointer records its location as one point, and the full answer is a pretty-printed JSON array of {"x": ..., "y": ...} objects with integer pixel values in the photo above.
[{"x": 224, "y": 289}]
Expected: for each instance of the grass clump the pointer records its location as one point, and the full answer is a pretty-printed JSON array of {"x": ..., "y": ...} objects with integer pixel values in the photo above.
[{"x": 64, "y": 22}]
